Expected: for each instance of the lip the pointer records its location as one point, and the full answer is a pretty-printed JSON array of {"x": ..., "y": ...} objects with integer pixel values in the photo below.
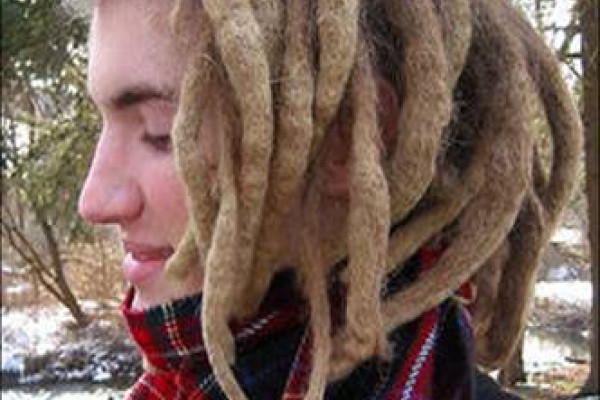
[
  {"x": 144, "y": 261},
  {"x": 146, "y": 252}
]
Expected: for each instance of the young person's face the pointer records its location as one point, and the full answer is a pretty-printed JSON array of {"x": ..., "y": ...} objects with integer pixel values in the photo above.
[{"x": 134, "y": 74}]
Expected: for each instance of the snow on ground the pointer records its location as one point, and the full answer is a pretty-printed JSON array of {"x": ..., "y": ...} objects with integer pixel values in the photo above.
[
  {"x": 568, "y": 236},
  {"x": 559, "y": 326},
  {"x": 66, "y": 392},
  {"x": 30, "y": 330},
  {"x": 38, "y": 346},
  {"x": 543, "y": 352},
  {"x": 577, "y": 293}
]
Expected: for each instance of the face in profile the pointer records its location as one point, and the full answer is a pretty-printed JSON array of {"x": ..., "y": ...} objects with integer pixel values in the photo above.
[
  {"x": 134, "y": 73},
  {"x": 135, "y": 70}
]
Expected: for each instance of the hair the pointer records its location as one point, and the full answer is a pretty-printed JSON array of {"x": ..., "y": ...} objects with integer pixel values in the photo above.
[{"x": 463, "y": 162}]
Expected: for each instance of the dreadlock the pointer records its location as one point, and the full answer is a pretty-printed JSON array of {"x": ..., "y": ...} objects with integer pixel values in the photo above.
[
  {"x": 462, "y": 163},
  {"x": 290, "y": 156}
]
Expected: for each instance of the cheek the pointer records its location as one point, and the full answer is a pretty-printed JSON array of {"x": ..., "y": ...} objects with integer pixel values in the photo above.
[{"x": 167, "y": 193}]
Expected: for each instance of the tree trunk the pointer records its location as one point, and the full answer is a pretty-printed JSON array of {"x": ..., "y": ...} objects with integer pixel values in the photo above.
[
  {"x": 69, "y": 300},
  {"x": 589, "y": 25},
  {"x": 35, "y": 285},
  {"x": 67, "y": 297},
  {"x": 50, "y": 275}
]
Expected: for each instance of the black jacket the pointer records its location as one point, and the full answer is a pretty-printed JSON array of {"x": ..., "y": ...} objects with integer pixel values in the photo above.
[{"x": 488, "y": 389}]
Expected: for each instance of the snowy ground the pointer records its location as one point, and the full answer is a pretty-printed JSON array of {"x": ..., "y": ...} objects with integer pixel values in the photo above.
[
  {"x": 39, "y": 346},
  {"x": 576, "y": 293},
  {"x": 65, "y": 392},
  {"x": 559, "y": 326}
]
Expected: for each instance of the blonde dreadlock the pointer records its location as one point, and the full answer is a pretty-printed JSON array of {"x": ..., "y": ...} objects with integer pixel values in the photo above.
[
  {"x": 463, "y": 162},
  {"x": 337, "y": 22},
  {"x": 546, "y": 196},
  {"x": 290, "y": 156},
  {"x": 187, "y": 128}
]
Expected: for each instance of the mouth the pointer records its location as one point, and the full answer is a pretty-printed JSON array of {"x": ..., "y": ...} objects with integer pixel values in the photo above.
[
  {"x": 144, "y": 261},
  {"x": 146, "y": 252}
]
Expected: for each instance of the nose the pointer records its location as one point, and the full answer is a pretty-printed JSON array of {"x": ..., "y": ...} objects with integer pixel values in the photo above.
[{"x": 111, "y": 194}]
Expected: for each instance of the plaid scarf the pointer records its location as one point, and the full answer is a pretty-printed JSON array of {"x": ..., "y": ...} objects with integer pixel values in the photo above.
[{"x": 433, "y": 356}]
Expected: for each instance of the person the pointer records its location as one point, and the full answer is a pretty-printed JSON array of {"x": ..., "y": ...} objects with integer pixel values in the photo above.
[{"x": 325, "y": 199}]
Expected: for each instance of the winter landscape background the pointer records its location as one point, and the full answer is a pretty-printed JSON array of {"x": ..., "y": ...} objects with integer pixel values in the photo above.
[{"x": 62, "y": 336}]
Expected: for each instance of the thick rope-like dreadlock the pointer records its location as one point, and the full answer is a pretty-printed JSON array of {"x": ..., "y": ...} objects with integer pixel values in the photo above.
[
  {"x": 489, "y": 215},
  {"x": 368, "y": 227},
  {"x": 449, "y": 192},
  {"x": 240, "y": 47},
  {"x": 187, "y": 128},
  {"x": 462, "y": 163},
  {"x": 290, "y": 156},
  {"x": 456, "y": 32},
  {"x": 542, "y": 207},
  {"x": 427, "y": 102},
  {"x": 337, "y": 22},
  {"x": 221, "y": 261},
  {"x": 314, "y": 276}
]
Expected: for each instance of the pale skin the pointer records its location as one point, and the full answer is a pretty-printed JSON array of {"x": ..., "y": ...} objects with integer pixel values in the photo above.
[
  {"x": 133, "y": 79},
  {"x": 135, "y": 69}
]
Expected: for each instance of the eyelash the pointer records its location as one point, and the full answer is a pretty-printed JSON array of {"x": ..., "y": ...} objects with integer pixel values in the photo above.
[{"x": 160, "y": 143}]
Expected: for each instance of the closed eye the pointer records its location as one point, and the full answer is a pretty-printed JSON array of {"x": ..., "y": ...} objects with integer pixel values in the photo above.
[{"x": 159, "y": 143}]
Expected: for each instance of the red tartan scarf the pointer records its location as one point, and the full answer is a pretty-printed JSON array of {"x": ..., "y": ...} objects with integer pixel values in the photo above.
[{"x": 432, "y": 355}]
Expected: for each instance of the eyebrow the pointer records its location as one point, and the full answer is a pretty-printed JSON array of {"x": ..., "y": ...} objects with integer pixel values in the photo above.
[{"x": 134, "y": 95}]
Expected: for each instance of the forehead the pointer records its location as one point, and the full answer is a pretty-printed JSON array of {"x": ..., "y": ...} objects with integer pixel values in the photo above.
[{"x": 131, "y": 46}]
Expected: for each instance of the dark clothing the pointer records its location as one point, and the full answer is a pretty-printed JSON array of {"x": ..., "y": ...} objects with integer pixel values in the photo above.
[
  {"x": 432, "y": 356},
  {"x": 488, "y": 389}
]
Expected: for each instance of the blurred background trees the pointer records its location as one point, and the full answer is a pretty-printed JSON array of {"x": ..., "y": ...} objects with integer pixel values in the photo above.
[{"x": 48, "y": 130}]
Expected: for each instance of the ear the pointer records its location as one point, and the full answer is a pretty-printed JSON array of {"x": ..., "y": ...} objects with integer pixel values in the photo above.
[{"x": 335, "y": 167}]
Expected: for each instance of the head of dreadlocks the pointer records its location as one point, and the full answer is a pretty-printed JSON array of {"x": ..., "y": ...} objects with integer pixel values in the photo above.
[
  {"x": 320, "y": 133},
  {"x": 136, "y": 69}
]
